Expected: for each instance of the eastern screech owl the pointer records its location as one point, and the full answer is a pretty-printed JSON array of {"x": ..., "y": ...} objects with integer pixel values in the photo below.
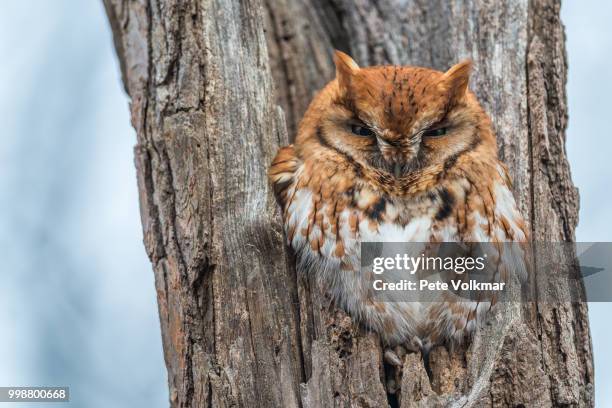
[{"x": 394, "y": 153}]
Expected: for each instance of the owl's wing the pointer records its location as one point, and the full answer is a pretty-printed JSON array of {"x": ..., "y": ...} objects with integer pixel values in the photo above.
[
  {"x": 494, "y": 220},
  {"x": 282, "y": 174}
]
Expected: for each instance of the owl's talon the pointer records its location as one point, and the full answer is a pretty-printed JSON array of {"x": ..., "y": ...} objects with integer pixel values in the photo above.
[
  {"x": 392, "y": 358},
  {"x": 400, "y": 351},
  {"x": 391, "y": 386}
]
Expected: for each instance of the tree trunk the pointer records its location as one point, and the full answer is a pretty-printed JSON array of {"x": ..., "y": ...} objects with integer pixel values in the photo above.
[{"x": 239, "y": 326}]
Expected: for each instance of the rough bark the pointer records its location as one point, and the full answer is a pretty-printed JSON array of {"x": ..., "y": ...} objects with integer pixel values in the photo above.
[{"x": 239, "y": 326}]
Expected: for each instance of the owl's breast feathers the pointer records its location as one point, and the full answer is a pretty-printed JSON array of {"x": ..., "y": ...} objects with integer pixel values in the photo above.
[
  {"x": 472, "y": 198},
  {"x": 329, "y": 209}
]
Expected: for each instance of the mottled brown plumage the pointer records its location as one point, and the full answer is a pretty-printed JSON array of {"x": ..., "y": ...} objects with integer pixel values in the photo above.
[{"x": 394, "y": 153}]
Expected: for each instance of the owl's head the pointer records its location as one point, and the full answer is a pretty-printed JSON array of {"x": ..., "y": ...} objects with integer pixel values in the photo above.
[{"x": 396, "y": 119}]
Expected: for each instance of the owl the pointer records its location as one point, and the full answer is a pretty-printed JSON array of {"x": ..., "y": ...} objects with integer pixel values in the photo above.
[{"x": 395, "y": 154}]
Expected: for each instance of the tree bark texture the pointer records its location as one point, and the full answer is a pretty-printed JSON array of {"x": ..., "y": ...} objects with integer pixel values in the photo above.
[{"x": 207, "y": 80}]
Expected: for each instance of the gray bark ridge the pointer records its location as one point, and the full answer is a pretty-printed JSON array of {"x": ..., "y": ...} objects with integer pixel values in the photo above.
[{"x": 239, "y": 326}]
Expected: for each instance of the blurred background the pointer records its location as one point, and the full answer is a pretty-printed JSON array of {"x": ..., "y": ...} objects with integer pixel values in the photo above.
[{"x": 77, "y": 297}]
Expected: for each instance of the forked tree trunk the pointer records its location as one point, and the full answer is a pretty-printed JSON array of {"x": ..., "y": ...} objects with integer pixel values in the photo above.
[{"x": 239, "y": 326}]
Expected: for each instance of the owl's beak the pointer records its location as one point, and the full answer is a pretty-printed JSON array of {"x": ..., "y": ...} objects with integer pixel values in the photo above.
[
  {"x": 392, "y": 155},
  {"x": 397, "y": 170}
]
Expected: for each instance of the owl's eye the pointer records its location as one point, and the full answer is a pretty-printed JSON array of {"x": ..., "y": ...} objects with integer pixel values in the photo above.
[
  {"x": 435, "y": 132},
  {"x": 361, "y": 131}
]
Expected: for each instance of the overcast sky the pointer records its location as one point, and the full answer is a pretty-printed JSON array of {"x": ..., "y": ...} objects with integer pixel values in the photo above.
[
  {"x": 589, "y": 145},
  {"x": 77, "y": 298}
]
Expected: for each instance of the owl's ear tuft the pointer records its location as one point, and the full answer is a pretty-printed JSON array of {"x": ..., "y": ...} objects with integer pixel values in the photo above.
[
  {"x": 346, "y": 67},
  {"x": 455, "y": 80}
]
